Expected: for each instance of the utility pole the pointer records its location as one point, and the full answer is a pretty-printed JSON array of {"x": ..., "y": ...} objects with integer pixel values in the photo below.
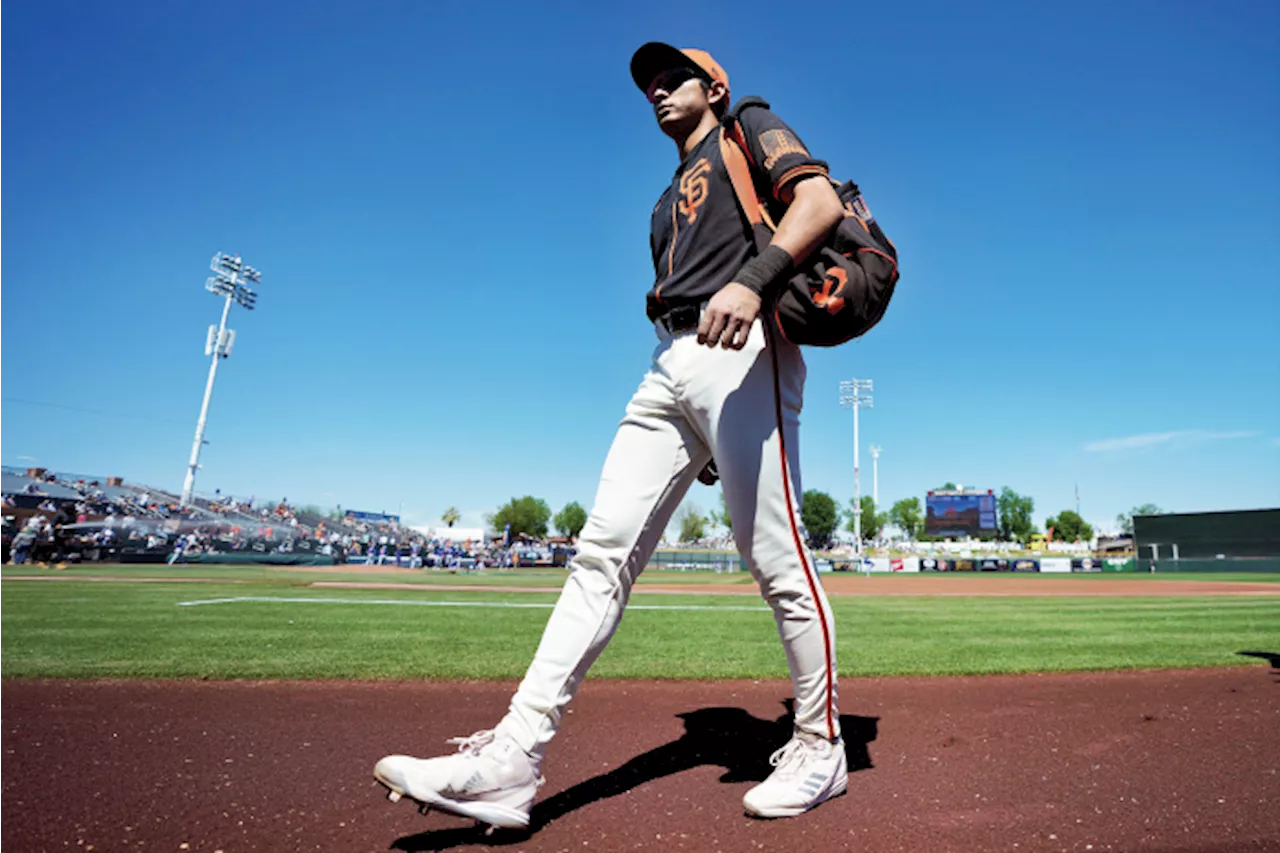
[
  {"x": 851, "y": 396},
  {"x": 231, "y": 279}
]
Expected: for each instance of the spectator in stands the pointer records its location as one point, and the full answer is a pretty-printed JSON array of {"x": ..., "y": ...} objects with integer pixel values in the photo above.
[{"x": 23, "y": 542}]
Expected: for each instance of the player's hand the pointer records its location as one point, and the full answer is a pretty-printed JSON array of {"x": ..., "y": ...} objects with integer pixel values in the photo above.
[{"x": 728, "y": 317}]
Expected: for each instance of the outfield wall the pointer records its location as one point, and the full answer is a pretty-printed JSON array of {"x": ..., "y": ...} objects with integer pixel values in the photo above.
[
  {"x": 1245, "y": 564},
  {"x": 1208, "y": 536},
  {"x": 721, "y": 561}
]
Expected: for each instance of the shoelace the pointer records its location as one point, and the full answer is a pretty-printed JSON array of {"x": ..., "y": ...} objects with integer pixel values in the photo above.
[
  {"x": 478, "y": 741},
  {"x": 475, "y": 743},
  {"x": 796, "y": 752}
]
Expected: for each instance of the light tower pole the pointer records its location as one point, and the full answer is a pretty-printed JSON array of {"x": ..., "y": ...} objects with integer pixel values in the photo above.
[
  {"x": 231, "y": 279},
  {"x": 851, "y": 396},
  {"x": 875, "y": 475}
]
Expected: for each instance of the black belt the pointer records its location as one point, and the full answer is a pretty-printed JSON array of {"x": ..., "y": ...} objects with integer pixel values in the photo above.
[{"x": 680, "y": 318}]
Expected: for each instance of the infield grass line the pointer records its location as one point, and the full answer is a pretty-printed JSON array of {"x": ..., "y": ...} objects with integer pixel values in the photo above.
[
  {"x": 540, "y": 605},
  {"x": 94, "y": 630}
]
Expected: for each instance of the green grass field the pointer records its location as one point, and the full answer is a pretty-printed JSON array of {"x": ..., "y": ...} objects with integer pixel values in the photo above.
[{"x": 84, "y": 629}]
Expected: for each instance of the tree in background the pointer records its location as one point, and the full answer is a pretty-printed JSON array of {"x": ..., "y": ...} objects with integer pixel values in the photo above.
[
  {"x": 1125, "y": 519},
  {"x": 908, "y": 517},
  {"x": 693, "y": 524},
  {"x": 946, "y": 487},
  {"x": 450, "y": 516},
  {"x": 1015, "y": 516},
  {"x": 721, "y": 516},
  {"x": 570, "y": 520},
  {"x": 1070, "y": 526},
  {"x": 527, "y": 516},
  {"x": 872, "y": 521},
  {"x": 820, "y": 517}
]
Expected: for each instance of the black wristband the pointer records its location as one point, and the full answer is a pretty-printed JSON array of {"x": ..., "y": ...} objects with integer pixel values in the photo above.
[{"x": 763, "y": 273}]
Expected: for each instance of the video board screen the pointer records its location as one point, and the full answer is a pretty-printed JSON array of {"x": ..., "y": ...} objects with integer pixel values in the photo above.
[{"x": 960, "y": 515}]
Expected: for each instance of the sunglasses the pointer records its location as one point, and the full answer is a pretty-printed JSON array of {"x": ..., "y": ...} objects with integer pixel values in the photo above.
[{"x": 669, "y": 81}]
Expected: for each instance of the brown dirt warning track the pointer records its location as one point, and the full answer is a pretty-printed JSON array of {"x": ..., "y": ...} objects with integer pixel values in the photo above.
[
  {"x": 1168, "y": 760},
  {"x": 954, "y": 584},
  {"x": 911, "y": 585}
]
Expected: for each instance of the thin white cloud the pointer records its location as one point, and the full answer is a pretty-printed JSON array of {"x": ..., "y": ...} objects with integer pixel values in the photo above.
[
  {"x": 1151, "y": 439},
  {"x": 1130, "y": 441}
]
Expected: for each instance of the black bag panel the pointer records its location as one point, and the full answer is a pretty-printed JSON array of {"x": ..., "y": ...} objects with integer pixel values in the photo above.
[{"x": 842, "y": 291}]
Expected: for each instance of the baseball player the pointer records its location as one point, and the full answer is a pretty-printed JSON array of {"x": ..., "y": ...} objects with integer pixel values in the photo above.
[{"x": 720, "y": 385}]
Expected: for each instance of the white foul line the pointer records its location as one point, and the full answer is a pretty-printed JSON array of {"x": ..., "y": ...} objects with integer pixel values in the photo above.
[{"x": 514, "y": 604}]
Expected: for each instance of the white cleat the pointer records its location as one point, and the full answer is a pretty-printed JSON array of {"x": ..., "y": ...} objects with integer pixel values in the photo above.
[
  {"x": 490, "y": 779},
  {"x": 810, "y": 771}
]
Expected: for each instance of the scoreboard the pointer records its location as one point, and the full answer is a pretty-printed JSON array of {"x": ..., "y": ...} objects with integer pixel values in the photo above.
[{"x": 960, "y": 514}]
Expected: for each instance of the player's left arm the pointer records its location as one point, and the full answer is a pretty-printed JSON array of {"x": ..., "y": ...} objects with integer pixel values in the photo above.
[
  {"x": 800, "y": 182},
  {"x": 813, "y": 209}
]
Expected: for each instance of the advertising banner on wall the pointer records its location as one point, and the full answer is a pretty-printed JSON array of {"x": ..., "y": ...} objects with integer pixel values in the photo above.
[
  {"x": 376, "y": 517},
  {"x": 1086, "y": 564},
  {"x": 933, "y": 564},
  {"x": 993, "y": 564},
  {"x": 964, "y": 565},
  {"x": 1055, "y": 564},
  {"x": 1024, "y": 565}
]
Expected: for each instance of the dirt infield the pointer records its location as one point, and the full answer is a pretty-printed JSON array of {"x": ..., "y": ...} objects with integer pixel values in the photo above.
[
  {"x": 1171, "y": 760},
  {"x": 916, "y": 585}
]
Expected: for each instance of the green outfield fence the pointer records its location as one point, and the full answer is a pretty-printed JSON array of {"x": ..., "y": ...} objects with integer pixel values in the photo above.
[
  {"x": 1226, "y": 564},
  {"x": 698, "y": 561},
  {"x": 722, "y": 561}
]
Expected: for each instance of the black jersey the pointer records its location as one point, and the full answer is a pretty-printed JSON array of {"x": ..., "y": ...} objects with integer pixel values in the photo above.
[{"x": 698, "y": 235}]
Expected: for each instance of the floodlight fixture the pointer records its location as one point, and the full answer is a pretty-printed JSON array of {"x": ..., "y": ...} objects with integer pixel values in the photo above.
[{"x": 230, "y": 280}]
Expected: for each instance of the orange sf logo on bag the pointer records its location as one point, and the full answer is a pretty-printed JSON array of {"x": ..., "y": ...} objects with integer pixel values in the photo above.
[
  {"x": 832, "y": 286},
  {"x": 693, "y": 186}
]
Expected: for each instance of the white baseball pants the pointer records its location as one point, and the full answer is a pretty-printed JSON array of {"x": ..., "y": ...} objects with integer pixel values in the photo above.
[{"x": 694, "y": 403}]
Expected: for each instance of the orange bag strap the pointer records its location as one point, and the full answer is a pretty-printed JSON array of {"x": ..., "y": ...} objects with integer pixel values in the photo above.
[{"x": 733, "y": 150}]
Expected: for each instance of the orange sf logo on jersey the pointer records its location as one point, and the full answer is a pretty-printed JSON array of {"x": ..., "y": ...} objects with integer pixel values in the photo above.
[{"x": 693, "y": 186}]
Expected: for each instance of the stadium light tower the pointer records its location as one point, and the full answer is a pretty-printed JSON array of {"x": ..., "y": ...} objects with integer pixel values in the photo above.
[
  {"x": 875, "y": 475},
  {"x": 851, "y": 396},
  {"x": 231, "y": 279}
]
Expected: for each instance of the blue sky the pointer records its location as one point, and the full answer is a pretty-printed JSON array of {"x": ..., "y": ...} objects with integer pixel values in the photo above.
[{"x": 449, "y": 204}]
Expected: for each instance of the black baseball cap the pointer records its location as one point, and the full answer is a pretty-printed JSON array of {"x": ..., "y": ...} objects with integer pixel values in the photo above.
[{"x": 655, "y": 57}]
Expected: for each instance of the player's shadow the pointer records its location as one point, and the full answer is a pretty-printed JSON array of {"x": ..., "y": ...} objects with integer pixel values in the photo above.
[
  {"x": 724, "y": 737},
  {"x": 1270, "y": 657}
]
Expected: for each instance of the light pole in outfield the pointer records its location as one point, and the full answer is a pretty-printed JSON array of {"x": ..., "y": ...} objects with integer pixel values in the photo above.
[
  {"x": 231, "y": 279},
  {"x": 851, "y": 396},
  {"x": 875, "y": 475}
]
